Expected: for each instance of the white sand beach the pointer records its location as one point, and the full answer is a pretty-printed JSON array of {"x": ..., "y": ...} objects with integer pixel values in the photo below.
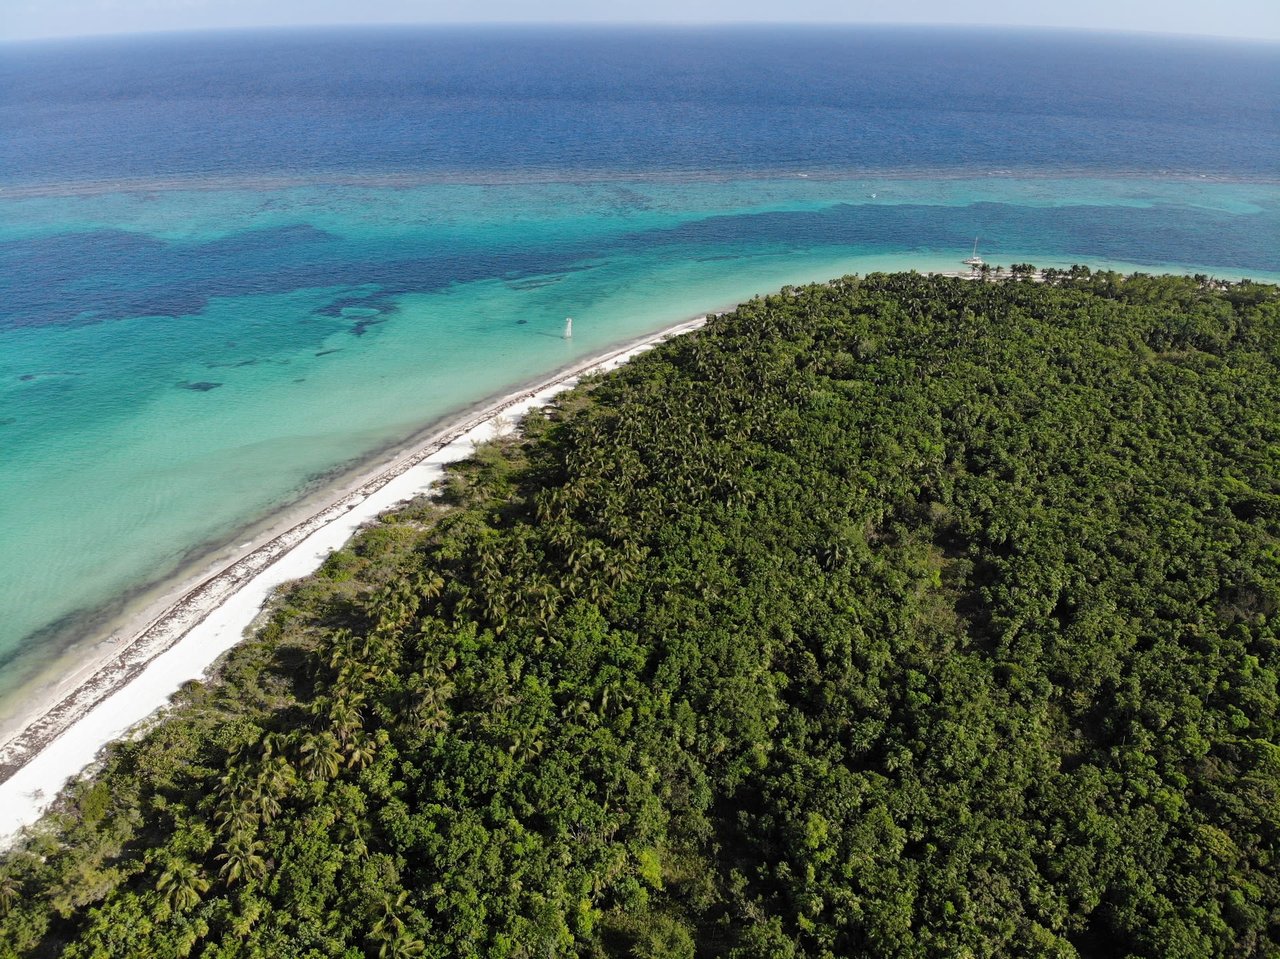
[{"x": 128, "y": 681}]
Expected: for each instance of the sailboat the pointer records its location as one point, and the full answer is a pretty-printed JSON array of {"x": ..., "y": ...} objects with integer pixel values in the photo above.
[{"x": 974, "y": 260}]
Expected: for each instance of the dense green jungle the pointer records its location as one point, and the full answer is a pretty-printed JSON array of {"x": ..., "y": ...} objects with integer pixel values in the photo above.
[{"x": 897, "y": 616}]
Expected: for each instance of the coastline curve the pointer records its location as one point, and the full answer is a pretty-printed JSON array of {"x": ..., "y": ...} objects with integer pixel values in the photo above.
[{"x": 214, "y": 613}]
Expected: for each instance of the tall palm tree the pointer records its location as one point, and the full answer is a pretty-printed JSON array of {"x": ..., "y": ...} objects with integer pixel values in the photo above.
[
  {"x": 361, "y": 752},
  {"x": 236, "y": 782},
  {"x": 276, "y": 777},
  {"x": 430, "y": 694},
  {"x": 389, "y": 924},
  {"x": 10, "y": 891},
  {"x": 403, "y": 946},
  {"x": 319, "y": 755},
  {"x": 345, "y": 717},
  {"x": 242, "y": 860},
  {"x": 430, "y": 586},
  {"x": 182, "y": 885},
  {"x": 239, "y": 816},
  {"x": 397, "y": 942}
]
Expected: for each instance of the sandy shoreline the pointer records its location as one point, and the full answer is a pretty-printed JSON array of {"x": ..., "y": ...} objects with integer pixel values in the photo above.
[
  {"x": 104, "y": 688},
  {"x": 125, "y": 681}
]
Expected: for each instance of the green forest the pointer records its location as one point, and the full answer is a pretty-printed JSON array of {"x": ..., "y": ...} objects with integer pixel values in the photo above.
[{"x": 896, "y": 616}]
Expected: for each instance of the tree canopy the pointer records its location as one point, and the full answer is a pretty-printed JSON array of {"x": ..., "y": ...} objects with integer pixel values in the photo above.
[{"x": 895, "y": 616}]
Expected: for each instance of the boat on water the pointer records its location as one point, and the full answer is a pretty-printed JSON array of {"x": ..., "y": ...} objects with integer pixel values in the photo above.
[{"x": 974, "y": 260}]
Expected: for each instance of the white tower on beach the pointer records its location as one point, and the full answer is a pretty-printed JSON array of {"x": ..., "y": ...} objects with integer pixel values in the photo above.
[{"x": 568, "y": 327}]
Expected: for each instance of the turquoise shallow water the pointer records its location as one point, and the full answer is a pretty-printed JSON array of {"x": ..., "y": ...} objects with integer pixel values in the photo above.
[{"x": 135, "y": 440}]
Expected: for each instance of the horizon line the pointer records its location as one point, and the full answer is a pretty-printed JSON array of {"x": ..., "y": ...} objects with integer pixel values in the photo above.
[{"x": 637, "y": 24}]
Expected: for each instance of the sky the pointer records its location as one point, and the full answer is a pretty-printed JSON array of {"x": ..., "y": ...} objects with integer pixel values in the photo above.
[{"x": 31, "y": 19}]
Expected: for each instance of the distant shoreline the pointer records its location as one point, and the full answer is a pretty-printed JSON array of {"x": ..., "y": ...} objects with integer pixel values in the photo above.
[{"x": 61, "y": 736}]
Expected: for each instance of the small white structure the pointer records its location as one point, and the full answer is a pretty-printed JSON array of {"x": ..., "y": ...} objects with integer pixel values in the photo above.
[{"x": 568, "y": 327}]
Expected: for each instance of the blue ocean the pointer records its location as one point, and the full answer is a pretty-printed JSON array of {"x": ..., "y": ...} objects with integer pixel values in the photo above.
[{"x": 234, "y": 266}]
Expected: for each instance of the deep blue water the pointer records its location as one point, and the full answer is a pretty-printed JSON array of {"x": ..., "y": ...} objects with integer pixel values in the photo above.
[
  {"x": 574, "y": 101},
  {"x": 231, "y": 265}
]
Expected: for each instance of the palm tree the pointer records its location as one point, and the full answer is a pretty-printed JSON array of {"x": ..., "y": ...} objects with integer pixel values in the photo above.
[
  {"x": 270, "y": 744},
  {"x": 397, "y": 943},
  {"x": 430, "y": 586},
  {"x": 354, "y": 834},
  {"x": 268, "y": 806},
  {"x": 320, "y": 756},
  {"x": 242, "y": 860},
  {"x": 238, "y": 817},
  {"x": 276, "y": 778},
  {"x": 393, "y": 605},
  {"x": 10, "y": 891},
  {"x": 360, "y": 754},
  {"x": 524, "y": 745},
  {"x": 345, "y": 717},
  {"x": 463, "y": 610},
  {"x": 342, "y": 649},
  {"x": 182, "y": 885},
  {"x": 235, "y": 783},
  {"x": 390, "y": 921},
  {"x": 403, "y": 946}
]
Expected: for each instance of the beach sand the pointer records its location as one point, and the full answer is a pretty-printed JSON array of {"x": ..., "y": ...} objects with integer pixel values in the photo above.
[{"x": 126, "y": 680}]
